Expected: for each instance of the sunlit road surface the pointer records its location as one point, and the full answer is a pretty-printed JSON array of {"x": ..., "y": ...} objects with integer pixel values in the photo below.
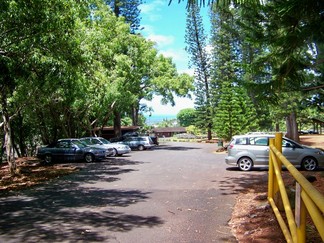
[{"x": 177, "y": 192}]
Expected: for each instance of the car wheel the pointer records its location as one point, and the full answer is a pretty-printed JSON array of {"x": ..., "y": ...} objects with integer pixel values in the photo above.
[
  {"x": 309, "y": 164},
  {"x": 245, "y": 164},
  {"x": 114, "y": 153},
  {"x": 89, "y": 158},
  {"x": 48, "y": 159},
  {"x": 140, "y": 147}
]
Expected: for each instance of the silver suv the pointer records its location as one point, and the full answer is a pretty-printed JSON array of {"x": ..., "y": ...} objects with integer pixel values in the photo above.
[{"x": 246, "y": 151}]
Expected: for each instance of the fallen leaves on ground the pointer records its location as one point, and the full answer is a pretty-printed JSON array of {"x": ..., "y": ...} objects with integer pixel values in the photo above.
[{"x": 30, "y": 172}]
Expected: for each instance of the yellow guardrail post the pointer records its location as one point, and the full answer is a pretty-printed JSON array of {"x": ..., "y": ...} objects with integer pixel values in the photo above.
[
  {"x": 271, "y": 172},
  {"x": 276, "y": 192},
  {"x": 300, "y": 215},
  {"x": 308, "y": 201}
]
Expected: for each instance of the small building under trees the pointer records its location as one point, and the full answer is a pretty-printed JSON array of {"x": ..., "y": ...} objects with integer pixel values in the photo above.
[
  {"x": 108, "y": 132},
  {"x": 168, "y": 131}
]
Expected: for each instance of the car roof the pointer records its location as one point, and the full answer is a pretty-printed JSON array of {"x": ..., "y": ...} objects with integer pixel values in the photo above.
[{"x": 253, "y": 135}]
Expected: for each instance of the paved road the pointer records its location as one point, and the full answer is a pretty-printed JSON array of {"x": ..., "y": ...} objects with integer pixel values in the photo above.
[{"x": 178, "y": 192}]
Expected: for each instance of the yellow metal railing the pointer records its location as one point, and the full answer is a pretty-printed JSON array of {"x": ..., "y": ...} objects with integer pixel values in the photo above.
[{"x": 307, "y": 198}]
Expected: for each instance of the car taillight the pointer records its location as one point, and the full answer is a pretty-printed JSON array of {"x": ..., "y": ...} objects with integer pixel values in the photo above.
[{"x": 231, "y": 146}]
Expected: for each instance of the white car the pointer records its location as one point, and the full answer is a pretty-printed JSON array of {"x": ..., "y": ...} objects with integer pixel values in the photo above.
[
  {"x": 117, "y": 148},
  {"x": 247, "y": 151}
]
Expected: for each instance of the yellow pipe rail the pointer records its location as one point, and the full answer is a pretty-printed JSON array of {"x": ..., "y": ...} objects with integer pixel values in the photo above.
[{"x": 311, "y": 200}]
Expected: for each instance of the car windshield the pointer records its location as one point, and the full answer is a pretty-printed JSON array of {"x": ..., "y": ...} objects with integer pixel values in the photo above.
[{"x": 103, "y": 140}]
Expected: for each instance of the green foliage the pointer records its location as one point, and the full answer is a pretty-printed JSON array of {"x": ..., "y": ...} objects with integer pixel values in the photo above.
[
  {"x": 193, "y": 130},
  {"x": 67, "y": 65},
  {"x": 187, "y": 117},
  {"x": 277, "y": 52},
  {"x": 234, "y": 110}
]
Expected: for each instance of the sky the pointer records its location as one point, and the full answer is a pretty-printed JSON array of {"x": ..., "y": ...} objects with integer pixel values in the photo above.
[{"x": 166, "y": 26}]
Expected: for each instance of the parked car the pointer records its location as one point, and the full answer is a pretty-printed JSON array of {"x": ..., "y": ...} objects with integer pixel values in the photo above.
[
  {"x": 124, "y": 136},
  {"x": 70, "y": 149},
  {"x": 116, "y": 149},
  {"x": 247, "y": 151},
  {"x": 139, "y": 143}
]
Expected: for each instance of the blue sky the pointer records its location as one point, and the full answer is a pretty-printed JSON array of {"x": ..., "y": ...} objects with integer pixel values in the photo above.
[{"x": 166, "y": 26}]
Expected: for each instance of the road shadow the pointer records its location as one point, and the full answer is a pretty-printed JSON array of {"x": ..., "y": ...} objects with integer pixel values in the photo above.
[
  {"x": 66, "y": 210},
  {"x": 242, "y": 182},
  {"x": 256, "y": 179}
]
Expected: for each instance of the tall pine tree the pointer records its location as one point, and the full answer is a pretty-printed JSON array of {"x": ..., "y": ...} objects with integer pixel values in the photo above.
[
  {"x": 197, "y": 48},
  {"x": 129, "y": 10},
  {"x": 234, "y": 111}
]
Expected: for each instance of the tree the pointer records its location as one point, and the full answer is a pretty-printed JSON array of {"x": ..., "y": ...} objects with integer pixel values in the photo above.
[
  {"x": 291, "y": 29},
  {"x": 197, "y": 48},
  {"x": 129, "y": 10},
  {"x": 33, "y": 33},
  {"x": 187, "y": 117},
  {"x": 234, "y": 111}
]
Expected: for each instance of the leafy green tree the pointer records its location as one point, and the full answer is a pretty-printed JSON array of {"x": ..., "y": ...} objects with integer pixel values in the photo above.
[
  {"x": 196, "y": 40},
  {"x": 187, "y": 117},
  {"x": 35, "y": 37}
]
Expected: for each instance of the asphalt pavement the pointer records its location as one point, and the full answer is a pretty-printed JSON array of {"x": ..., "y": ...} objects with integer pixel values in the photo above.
[{"x": 177, "y": 192}]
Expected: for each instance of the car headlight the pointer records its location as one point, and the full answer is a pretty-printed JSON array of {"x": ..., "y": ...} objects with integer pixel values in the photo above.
[{"x": 320, "y": 152}]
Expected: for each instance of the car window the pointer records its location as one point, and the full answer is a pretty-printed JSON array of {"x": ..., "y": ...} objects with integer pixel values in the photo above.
[
  {"x": 289, "y": 144},
  {"x": 79, "y": 143},
  {"x": 95, "y": 141},
  {"x": 86, "y": 141},
  {"x": 242, "y": 141},
  {"x": 63, "y": 144},
  {"x": 262, "y": 141},
  {"x": 103, "y": 140}
]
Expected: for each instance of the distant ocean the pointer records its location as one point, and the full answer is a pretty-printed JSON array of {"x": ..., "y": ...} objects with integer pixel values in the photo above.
[{"x": 154, "y": 119}]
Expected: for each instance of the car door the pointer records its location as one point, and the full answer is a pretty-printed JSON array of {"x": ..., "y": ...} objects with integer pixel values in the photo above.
[
  {"x": 59, "y": 152},
  {"x": 130, "y": 142},
  {"x": 292, "y": 151},
  {"x": 259, "y": 147}
]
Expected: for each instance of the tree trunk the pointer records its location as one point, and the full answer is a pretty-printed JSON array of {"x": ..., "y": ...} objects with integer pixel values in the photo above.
[
  {"x": 292, "y": 128},
  {"x": 8, "y": 144},
  {"x": 117, "y": 124},
  {"x": 277, "y": 127},
  {"x": 209, "y": 134},
  {"x": 7, "y": 134},
  {"x": 135, "y": 116}
]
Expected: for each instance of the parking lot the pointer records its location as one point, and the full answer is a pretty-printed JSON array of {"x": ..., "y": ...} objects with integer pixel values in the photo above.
[{"x": 177, "y": 192}]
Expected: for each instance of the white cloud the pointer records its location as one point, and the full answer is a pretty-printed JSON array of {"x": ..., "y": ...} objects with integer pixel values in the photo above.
[
  {"x": 161, "y": 40},
  {"x": 151, "y": 10},
  {"x": 191, "y": 72},
  {"x": 154, "y": 6},
  {"x": 177, "y": 55}
]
